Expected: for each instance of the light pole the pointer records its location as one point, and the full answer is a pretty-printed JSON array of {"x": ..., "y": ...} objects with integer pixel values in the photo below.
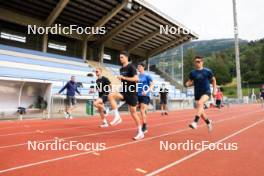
[
  {"x": 182, "y": 69},
  {"x": 239, "y": 89}
]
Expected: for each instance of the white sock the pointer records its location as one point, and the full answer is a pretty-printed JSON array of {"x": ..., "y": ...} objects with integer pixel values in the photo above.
[
  {"x": 116, "y": 113},
  {"x": 140, "y": 129}
]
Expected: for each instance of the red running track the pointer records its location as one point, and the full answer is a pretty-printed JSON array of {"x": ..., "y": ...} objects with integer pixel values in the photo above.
[{"x": 241, "y": 124}]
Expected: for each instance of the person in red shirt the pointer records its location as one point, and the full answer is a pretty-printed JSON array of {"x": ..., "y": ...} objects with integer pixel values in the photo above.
[{"x": 218, "y": 98}]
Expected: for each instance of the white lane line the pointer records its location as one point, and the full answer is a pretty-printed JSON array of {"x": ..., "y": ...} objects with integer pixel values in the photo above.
[
  {"x": 111, "y": 147},
  {"x": 95, "y": 153},
  {"x": 155, "y": 172},
  {"x": 80, "y": 120},
  {"x": 70, "y": 128},
  {"x": 141, "y": 170},
  {"x": 114, "y": 131},
  {"x": 93, "y": 134}
]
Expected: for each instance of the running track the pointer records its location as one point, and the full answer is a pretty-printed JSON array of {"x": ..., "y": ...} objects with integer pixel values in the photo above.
[{"x": 241, "y": 124}]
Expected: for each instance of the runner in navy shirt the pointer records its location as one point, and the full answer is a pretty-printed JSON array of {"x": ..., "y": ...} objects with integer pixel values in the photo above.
[
  {"x": 145, "y": 85},
  {"x": 201, "y": 78}
]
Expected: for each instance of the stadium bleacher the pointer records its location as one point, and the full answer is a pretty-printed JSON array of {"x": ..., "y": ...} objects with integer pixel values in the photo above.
[{"x": 24, "y": 65}]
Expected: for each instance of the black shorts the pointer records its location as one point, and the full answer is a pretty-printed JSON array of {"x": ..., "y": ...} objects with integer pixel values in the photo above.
[
  {"x": 144, "y": 100},
  {"x": 164, "y": 100},
  {"x": 70, "y": 101},
  {"x": 130, "y": 98},
  {"x": 104, "y": 98},
  {"x": 218, "y": 102},
  {"x": 198, "y": 96}
]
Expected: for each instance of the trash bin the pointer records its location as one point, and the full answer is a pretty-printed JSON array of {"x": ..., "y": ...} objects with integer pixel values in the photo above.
[{"x": 89, "y": 107}]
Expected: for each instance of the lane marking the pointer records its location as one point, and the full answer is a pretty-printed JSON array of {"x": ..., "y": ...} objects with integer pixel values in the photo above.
[
  {"x": 93, "y": 134},
  {"x": 59, "y": 129},
  {"x": 111, "y": 147},
  {"x": 155, "y": 172},
  {"x": 141, "y": 170},
  {"x": 80, "y": 120},
  {"x": 95, "y": 153},
  {"x": 114, "y": 131}
]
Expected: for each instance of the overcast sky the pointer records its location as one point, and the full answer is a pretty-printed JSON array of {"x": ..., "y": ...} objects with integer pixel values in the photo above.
[{"x": 213, "y": 19}]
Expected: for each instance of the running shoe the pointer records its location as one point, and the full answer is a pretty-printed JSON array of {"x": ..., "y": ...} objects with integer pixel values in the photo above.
[
  {"x": 116, "y": 121},
  {"x": 104, "y": 125},
  {"x": 193, "y": 125},
  {"x": 139, "y": 136}
]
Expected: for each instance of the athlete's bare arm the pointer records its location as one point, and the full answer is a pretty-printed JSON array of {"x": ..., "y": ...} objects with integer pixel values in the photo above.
[
  {"x": 189, "y": 83},
  {"x": 213, "y": 81}
]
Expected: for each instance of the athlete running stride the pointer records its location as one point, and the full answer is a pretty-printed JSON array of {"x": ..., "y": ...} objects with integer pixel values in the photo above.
[
  {"x": 129, "y": 78},
  {"x": 103, "y": 87},
  {"x": 201, "y": 78},
  {"x": 145, "y": 85}
]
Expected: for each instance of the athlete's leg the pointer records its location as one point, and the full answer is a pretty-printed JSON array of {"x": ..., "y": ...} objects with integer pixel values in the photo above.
[
  {"x": 200, "y": 105},
  {"x": 162, "y": 108},
  {"x": 113, "y": 97},
  {"x": 201, "y": 113},
  {"x": 134, "y": 114},
  {"x": 143, "y": 108},
  {"x": 165, "y": 109},
  {"x": 100, "y": 107}
]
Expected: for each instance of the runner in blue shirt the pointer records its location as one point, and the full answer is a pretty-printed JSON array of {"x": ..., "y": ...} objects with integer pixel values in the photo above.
[
  {"x": 145, "y": 85},
  {"x": 201, "y": 78}
]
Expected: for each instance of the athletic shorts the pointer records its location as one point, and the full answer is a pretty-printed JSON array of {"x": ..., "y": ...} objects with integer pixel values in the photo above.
[
  {"x": 218, "y": 102},
  {"x": 163, "y": 100},
  {"x": 70, "y": 101},
  {"x": 144, "y": 100},
  {"x": 198, "y": 96},
  {"x": 130, "y": 98},
  {"x": 104, "y": 98}
]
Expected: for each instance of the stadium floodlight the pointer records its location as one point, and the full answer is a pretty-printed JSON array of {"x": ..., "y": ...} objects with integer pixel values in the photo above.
[{"x": 239, "y": 89}]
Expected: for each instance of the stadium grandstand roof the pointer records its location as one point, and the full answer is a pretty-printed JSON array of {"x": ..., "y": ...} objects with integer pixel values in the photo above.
[{"x": 132, "y": 25}]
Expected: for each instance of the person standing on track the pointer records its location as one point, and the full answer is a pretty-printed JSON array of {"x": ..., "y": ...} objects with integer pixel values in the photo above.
[
  {"x": 70, "y": 102},
  {"x": 201, "y": 78},
  {"x": 164, "y": 99},
  {"x": 129, "y": 78},
  {"x": 261, "y": 93},
  {"x": 219, "y": 98},
  {"x": 103, "y": 85},
  {"x": 145, "y": 85}
]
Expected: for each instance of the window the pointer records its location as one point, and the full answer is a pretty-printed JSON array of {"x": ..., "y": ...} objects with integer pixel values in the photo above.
[
  {"x": 107, "y": 57},
  {"x": 13, "y": 37},
  {"x": 57, "y": 46}
]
